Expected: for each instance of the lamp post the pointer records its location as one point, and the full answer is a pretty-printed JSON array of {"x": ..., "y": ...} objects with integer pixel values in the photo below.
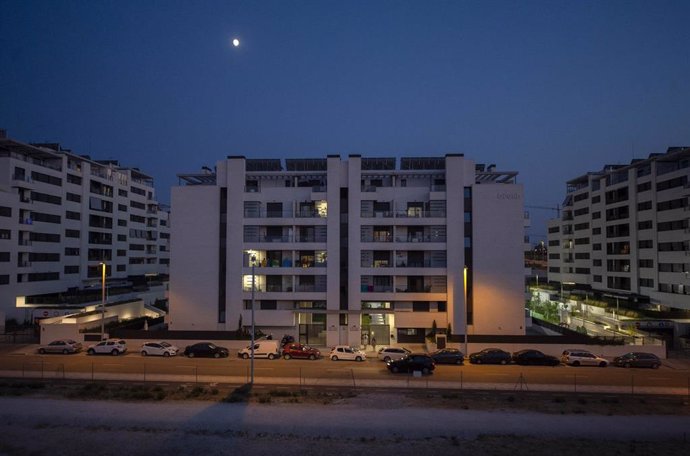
[
  {"x": 251, "y": 382},
  {"x": 464, "y": 282},
  {"x": 102, "y": 301}
]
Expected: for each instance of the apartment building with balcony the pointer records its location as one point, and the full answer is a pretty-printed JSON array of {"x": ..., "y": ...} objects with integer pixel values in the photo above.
[
  {"x": 349, "y": 248},
  {"x": 62, "y": 215},
  {"x": 624, "y": 231}
]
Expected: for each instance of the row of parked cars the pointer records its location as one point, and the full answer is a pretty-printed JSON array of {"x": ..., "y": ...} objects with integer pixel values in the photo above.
[{"x": 397, "y": 359}]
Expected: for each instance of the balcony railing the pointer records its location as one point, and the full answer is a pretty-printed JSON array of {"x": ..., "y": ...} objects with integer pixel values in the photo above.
[
  {"x": 376, "y": 288},
  {"x": 421, "y": 238},
  {"x": 268, "y": 238},
  {"x": 378, "y": 237},
  {"x": 402, "y": 214},
  {"x": 420, "y": 264}
]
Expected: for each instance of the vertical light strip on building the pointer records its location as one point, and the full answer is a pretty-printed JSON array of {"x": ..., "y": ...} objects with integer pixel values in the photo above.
[
  {"x": 222, "y": 253},
  {"x": 468, "y": 254}
]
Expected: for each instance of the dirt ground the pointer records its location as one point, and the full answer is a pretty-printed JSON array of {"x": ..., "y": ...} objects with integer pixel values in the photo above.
[
  {"x": 541, "y": 402},
  {"x": 103, "y": 432}
]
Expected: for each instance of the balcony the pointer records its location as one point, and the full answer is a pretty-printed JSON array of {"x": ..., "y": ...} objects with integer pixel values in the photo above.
[{"x": 421, "y": 238}]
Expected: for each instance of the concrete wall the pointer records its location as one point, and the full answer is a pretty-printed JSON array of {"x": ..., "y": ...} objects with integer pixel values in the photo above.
[
  {"x": 194, "y": 258},
  {"x": 498, "y": 262}
]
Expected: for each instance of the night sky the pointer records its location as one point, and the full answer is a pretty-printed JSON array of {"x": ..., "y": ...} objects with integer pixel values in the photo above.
[{"x": 549, "y": 89}]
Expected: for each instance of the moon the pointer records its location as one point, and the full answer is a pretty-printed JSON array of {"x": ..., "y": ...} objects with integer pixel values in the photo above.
[{"x": 235, "y": 42}]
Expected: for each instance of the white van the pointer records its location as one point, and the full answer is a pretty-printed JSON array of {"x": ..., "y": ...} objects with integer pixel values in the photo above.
[{"x": 262, "y": 349}]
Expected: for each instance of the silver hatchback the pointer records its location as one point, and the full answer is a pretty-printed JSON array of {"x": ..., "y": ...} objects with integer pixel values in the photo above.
[
  {"x": 392, "y": 353},
  {"x": 577, "y": 357}
]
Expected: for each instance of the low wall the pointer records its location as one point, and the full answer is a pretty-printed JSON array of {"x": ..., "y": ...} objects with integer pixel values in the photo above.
[{"x": 607, "y": 351}]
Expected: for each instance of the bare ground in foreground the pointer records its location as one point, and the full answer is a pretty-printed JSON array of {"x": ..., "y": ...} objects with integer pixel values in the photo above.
[{"x": 131, "y": 419}]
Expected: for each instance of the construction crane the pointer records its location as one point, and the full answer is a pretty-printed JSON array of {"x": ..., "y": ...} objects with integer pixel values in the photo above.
[{"x": 548, "y": 208}]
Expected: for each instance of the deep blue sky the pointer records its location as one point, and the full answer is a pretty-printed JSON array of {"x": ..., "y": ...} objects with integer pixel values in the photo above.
[{"x": 550, "y": 89}]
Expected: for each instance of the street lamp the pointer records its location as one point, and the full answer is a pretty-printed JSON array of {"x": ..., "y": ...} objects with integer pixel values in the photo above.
[
  {"x": 102, "y": 300},
  {"x": 464, "y": 282},
  {"x": 253, "y": 260}
]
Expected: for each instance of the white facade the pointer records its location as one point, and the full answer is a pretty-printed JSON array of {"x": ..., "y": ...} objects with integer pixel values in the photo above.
[
  {"x": 62, "y": 215},
  {"x": 624, "y": 231},
  {"x": 349, "y": 249}
]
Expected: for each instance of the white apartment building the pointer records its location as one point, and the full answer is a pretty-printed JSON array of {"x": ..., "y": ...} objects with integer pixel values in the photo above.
[
  {"x": 624, "y": 231},
  {"x": 62, "y": 215},
  {"x": 348, "y": 249}
]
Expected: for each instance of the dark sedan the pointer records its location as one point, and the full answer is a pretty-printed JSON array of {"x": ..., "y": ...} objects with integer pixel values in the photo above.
[
  {"x": 448, "y": 356},
  {"x": 411, "y": 363},
  {"x": 206, "y": 350},
  {"x": 637, "y": 359},
  {"x": 490, "y": 356},
  {"x": 534, "y": 358}
]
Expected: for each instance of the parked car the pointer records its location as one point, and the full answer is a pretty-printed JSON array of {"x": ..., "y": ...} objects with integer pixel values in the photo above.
[
  {"x": 534, "y": 358},
  {"x": 414, "y": 362},
  {"x": 345, "y": 352},
  {"x": 108, "y": 347},
  {"x": 638, "y": 359},
  {"x": 490, "y": 356},
  {"x": 300, "y": 351},
  {"x": 206, "y": 350},
  {"x": 160, "y": 348},
  {"x": 392, "y": 353},
  {"x": 577, "y": 357},
  {"x": 448, "y": 356},
  {"x": 64, "y": 346},
  {"x": 262, "y": 349}
]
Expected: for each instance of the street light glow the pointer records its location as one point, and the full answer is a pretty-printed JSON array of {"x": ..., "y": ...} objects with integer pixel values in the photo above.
[{"x": 235, "y": 42}]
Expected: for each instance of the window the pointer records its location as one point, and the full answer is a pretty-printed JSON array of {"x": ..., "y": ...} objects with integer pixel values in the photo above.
[
  {"x": 596, "y": 215},
  {"x": 138, "y": 191},
  {"x": 45, "y": 198},
  {"x": 596, "y": 278},
  {"x": 554, "y": 269},
  {"x": 46, "y": 179},
  {"x": 554, "y": 243},
  {"x": 4, "y": 257},
  {"x": 72, "y": 233},
  {"x": 672, "y": 183},
  {"x": 121, "y": 267},
  {"x": 420, "y": 306},
  {"x": 645, "y": 263},
  {"x": 72, "y": 179},
  {"x": 581, "y": 226},
  {"x": 121, "y": 252},
  {"x": 137, "y": 205},
  {"x": 596, "y": 263},
  {"x": 645, "y": 244},
  {"x": 73, "y": 197},
  {"x": 4, "y": 279},
  {"x": 582, "y": 211},
  {"x": 45, "y": 218},
  {"x": 5, "y": 211},
  {"x": 596, "y": 246},
  {"x": 596, "y": 199},
  {"x": 71, "y": 269},
  {"x": 121, "y": 222},
  {"x": 44, "y": 237},
  {"x": 71, "y": 215},
  {"x": 71, "y": 251},
  {"x": 644, "y": 206},
  {"x": 581, "y": 241},
  {"x": 645, "y": 225},
  {"x": 581, "y": 196},
  {"x": 673, "y": 225},
  {"x": 596, "y": 230},
  {"x": 672, "y": 204},
  {"x": 554, "y": 229},
  {"x": 122, "y": 207},
  {"x": 554, "y": 256},
  {"x": 643, "y": 187},
  {"x": 648, "y": 283},
  {"x": 121, "y": 238},
  {"x": 122, "y": 192}
]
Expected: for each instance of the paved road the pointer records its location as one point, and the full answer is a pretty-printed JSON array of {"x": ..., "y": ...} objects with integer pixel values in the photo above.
[{"x": 132, "y": 366}]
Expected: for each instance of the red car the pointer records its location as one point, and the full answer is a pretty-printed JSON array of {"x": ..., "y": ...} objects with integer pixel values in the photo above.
[{"x": 300, "y": 351}]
